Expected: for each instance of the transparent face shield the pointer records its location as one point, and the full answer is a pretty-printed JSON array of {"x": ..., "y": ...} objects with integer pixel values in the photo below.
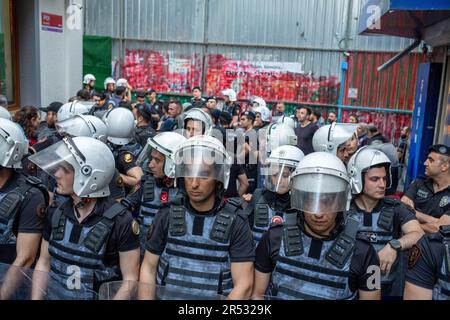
[
  {"x": 201, "y": 162},
  {"x": 319, "y": 193},
  {"x": 54, "y": 158},
  {"x": 277, "y": 177}
]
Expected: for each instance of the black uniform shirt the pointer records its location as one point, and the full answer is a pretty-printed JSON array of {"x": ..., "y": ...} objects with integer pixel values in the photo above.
[
  {"x": 29, "y": 219},
  {"x": 241, "y": 242},
  {"x": 125, "y": 161},
  {"x": 421, "y": 192},
  {"x": 364, "y": 256},
  {"x": 425, "y": 262}
]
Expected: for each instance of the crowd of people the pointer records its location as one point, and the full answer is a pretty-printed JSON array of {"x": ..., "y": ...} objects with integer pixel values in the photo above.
[{"x": 156, "y": 199}]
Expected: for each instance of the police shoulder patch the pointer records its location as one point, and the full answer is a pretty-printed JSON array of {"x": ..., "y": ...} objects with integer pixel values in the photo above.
[
  {"x": 41, "y": 210},
  {"x": 135, "y": 227},
  {"x": 414, "y": 256},
  {"x": 128, "y": 157},
  {"x": 444, "y": 201}
]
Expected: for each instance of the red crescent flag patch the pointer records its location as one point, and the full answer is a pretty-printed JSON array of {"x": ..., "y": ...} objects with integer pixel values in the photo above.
[
  {"x": 164, "y": 197},
  {"x": 277, "y": 220}
]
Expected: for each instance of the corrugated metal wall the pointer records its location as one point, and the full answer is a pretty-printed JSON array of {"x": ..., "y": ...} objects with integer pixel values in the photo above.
[
  {"x": 150, "y": 35},
  {"x": 310, "y": 24},
  {"x": 392, "y": 89}
]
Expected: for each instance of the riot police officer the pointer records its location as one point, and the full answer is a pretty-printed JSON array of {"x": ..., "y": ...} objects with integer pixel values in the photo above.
[
  {"x": 316, "y": 254},
  {"x": 90, "y": 238},
  {"x": 389, "y": 224},
  {"x": 23, "y": 201},
  {"x": 201, "y": 243},
  {"x": 92, "y": 127},
  {"x": 339, "y": 139},
  {"x": 144, "y": 129},
  {"x": 120, "y": 126},
  {"x": 157, "y": 185},
  {"x": 273, "y": 201},
  {"x": 196, "y": 122}
]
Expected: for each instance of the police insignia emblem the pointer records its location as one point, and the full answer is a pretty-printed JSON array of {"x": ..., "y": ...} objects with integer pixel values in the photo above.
[
  {"x": 128, "y": 158},
  {"x": 444, "y": 201},
  {"x": 135, "y": 227},
  {"x": 414, "y": 256}
]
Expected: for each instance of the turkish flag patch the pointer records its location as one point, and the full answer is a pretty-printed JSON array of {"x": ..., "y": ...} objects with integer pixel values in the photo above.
[
  {"x": 277, "y": 220},
  {"x": 164, "y": 197}
]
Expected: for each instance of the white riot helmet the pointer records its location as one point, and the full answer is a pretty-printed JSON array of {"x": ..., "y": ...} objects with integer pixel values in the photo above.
[
  {"x": 109, "y": 80},
  {"x": 4, "y": 114},
  {"x": 166, "y": 143},
  {"x": 330, "y": 137},
  {"x": 389, "y": 150},
  {"x": 363, "y": 160},
  {"x": 83, "y": 126},
  {"x": 90, "y": 159},
  {"x": 120, "y": 125},
  {"x": 230, "y": 93},
  {"x": 260, "y": 101},
  {"x": 280, "y": 134},
  {"x": 264, "y": 112},
  {"x": 13, "y": 144},
  {"x": 286, "y": 120},
  {"x": 122, "y": 82},
  {"x": 280, "y": 165},
  {"x": 72, "y": 109},
  {"x": 88, "y": 78},
  {"x": 320, "y": 184},
  {"x": 203, "y": 157},
  {"x": 198, "y": 114}
]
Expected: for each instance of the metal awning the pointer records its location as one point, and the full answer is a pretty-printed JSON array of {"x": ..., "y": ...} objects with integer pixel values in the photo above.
[
  {"x": 427, "y": 21},
  {"x": 407, "y": 18}
]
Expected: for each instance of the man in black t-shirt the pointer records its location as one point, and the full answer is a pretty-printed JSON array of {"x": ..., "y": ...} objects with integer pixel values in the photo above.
[
  {"x": 89, "y": 239},
  {"x": 389, "y": 224},
  {"x": 200, "y": 243},
  {"x": 305, "y": 130},
  {"x": 428, "y": 271},
  {"x": 316, "y": 254},
  {"x": 430, "y": 195},
  {"x": 23, "y": 201}
]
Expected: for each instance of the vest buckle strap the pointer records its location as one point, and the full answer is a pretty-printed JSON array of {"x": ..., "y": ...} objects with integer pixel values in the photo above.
[
  {"x": 293, "y": 244},
  {"x": 386, "y": 218},
  {"x": 261, "y": 215},
  {"x": 221, "y": 228},
  {"x": 9, "y": 204},
  {"x": 148, "y": 193},
  {"x": 177, "y": 223}
]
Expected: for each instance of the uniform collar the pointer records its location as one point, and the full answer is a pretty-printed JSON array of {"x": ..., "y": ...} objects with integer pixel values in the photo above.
[{"x": 99, "y": 208}]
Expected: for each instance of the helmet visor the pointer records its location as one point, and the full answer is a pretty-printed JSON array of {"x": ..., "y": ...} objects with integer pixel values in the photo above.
[
  {"x": 277, "y": 177},
  {"x": 201, "y": 162},
  {"x": 319, "y": 193},
  {"x": 54, "y": 158}
]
